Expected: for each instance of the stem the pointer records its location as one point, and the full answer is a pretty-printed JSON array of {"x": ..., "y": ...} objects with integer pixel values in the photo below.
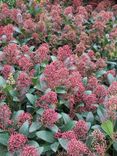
[{"x": 109, "y": 145}]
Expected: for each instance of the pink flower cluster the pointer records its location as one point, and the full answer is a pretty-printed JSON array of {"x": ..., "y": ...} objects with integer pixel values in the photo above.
[
  {"x": 16, "y": 142},
  {"x": 47, "y": 99},
  {"x": 49, "y": 117},
  {"x": 29, "y": 151},
  {"x": 99, "y": 142},
  {"x": 24, "y": 117},
  {"x": 5, "y": 114},
  {"x": 76, "y": 148},
  {"x": 80, "y": 129}
]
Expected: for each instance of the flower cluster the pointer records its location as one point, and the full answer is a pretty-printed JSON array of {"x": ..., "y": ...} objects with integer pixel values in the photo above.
[
  {"x": 29, "y": 151},
  {"x": 23, "y": 117},
  {"x": 5, "y": 114},
  {"x": 58, "y": 81},
  {"x": 49, "y": 117},
  {"x": 16, "y": 142},
  {"x": 76, "y": 148},
  {"x": 99, "y": 142}
]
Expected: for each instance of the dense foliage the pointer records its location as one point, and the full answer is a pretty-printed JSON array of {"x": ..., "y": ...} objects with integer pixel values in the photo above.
[{"x": 58, "y": 78}]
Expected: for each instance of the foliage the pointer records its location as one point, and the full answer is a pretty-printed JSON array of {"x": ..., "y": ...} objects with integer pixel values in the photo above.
[{"x": 58, "y": 78}]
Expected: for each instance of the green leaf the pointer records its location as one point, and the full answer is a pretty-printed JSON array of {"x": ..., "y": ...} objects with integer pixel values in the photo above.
[
  {"x": 61, "y": 90},
  {"x": 4, "y": 138},
  {"x": 101, "y": 113},
  {"x": 32, "y": 48},
  {"x": 35, "y": 144},
  {"x": 85, "y": 81},
  {"x": 34, "y": 127},
  {"x": 79, "y": 116},
  {"x": 2, "y": 81},
  {"x": 54, "y": 58},
  {"x": 46, "y": 136},
  {"x": 16, "y": 114},
  {"x": 115, "y": 145},
  {"x": 89, "y": 141},
  {"x": 24, "y": 128},
  {"x": 35, "y": 80},
  {"x": 68, "y": 126},
  {"x": 96, "y": 127},
  {"x": 88, "y": 92},
  {"x": 90, "y": 117},
  {"x": 66, "y": 117},
  {"x": 63, "y": 143},
  {"x": 54, "y": 129},
  {"x": 31, "y": 98},
  {"x": 3, "y": 151},
  {"x": 110, "y": 78},
  {"x": 55, "y": 146},
  {"x": 100, "y": 73},
  {"x": 108, "y": 127},
  {"x": 16, "y": 29}
]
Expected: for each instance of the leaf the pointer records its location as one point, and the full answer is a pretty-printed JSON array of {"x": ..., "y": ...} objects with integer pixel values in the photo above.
[
  {"x": 34, "y": 126},
  {"x": 55, "y": 146},
  {"x": 31, "y": 98},
  {"x": 2, "y": 81},
  {"x": 96, "y": 127},
  {"x": 54, "y": 58},
  {"x": 3, "y": 151},
  {"x": 16, "y": 29},
  {"x": 24, "y": 128},
  {"x": 89, "y": 141},
  {"x": 16, "y": 114},
  {"x": 35, "y": 144},
  {"x": 61, "y": 90},
  {"x": 115, "y": 145},
  {"x": 85, "y": 81},
  {"x": 90, "y": 117},
  {"x": 88, "y": 92},
  {"x": 89, "y": 125},
  {"x": 54, "y": 129},
  {"x": 63, "y": 143},
  {"x": 46, "y": 136},
  {"x": 4, "y": 138},
  {"x": 100, "y": 73},
  {"x": 68, "y": 126},
  {"x": 66, "y": 117},
  {"x": 79, "y": 116},
  {"x": 108, "y": 127},
  {"x": 110, "y": 78},
  {"x": 35, "y": 80},
  {"x": 101, "y": 113},
  {"x": 32, "y": 48}
]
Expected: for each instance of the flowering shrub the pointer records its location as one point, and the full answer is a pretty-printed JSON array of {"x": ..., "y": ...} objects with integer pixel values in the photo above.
[{"x": 58, "y": 80}]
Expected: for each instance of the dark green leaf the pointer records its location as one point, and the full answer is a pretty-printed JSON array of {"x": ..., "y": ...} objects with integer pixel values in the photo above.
[
  {"x": 115, "y": 145},
  {"x": 31, "y": 98},
  {"x": 55, "y": 146},
  {"x": 100, "y": 73},
  {"x": 54, "y": 58},
  {"x": 61, "y": 90},
  {"x": 68, "y": 126},
  {"x": 34, "y": 127},
  {"x": 4, "y": 138},
  {"x": 2, "y": 81},
  {"x": 85, "y": 81},
  {"x": 90, "y": 117},
  {"x": 63, "y": 143},
  {"x": 66, "y": 117},
  {"x": 110, "y": 78},
  {"x": 46, "y": 136},
  {"x": 25, "y": 128}
]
